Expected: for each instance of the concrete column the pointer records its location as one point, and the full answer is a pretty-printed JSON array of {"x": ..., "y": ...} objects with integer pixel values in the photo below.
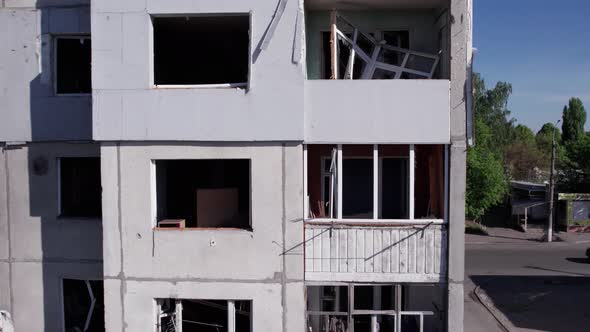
[{"x": 461, "y": 36}]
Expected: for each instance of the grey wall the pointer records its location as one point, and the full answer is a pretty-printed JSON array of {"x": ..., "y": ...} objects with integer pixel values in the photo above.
[
  {"x": 29, "y": 108},
  {"x": 127, "y": 107},
  {"x": 38, "y": 248},
  {"x": 377, "y": 111},
  {"x": 141, "y": 264}
]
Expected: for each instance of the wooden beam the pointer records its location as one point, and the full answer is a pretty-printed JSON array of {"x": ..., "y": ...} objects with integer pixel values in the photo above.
[{"x": 334, "y": 45}]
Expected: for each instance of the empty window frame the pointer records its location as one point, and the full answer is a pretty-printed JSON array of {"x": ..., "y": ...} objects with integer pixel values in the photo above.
[
  {"x": 176, "y": 315},
  {"x": 83, "y": 305},
  {"x": 366, "y": 308},
  {"x": 79, "y": 187},
  {"x": 202, "y": 49},
  {"x": 72, "y": 66},
  {"x": 204, "y": 193},
  {"x": 375, "y": 182}
]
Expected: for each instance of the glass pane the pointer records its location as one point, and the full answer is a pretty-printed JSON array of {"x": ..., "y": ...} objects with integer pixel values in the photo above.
[
  {"x": 327, "y": 298},
  {"x": 394, "y": 188},
  {"x": 374, "y": 297},
  {"x": 581, "y": 210},
  {"x": 381, "y": 74},
  {"x": 392, "y": 57},
  {"x": 365, "y": 44},
  {"x": 410, "y": 323},
  {"x": 357, "y": 188},
  {"x": 420, "y": 63}
]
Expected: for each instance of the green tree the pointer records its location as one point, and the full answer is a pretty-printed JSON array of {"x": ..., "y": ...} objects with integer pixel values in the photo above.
[
  {"x": 574, "y": 119},
  {"x": 524, "y": 135},
  {"x": 574, "y": 172},
  {"x": 487, "y": 184},
  {"x": 491, "y": 107}
]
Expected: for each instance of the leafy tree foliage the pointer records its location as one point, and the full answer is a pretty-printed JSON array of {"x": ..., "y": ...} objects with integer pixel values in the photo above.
[
  {"x": 524, "y": 135},
  {"x": 574, "y": 119}
]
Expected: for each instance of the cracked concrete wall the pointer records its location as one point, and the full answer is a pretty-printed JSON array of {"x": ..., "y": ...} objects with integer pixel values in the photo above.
[
  {"x": 30, "y": 108},
  {"x": 128, "y": 107},
  {"x": 461, "y": 51},
  {"x": 142, "y": 264},
  {"x": 39, "y": 248}
]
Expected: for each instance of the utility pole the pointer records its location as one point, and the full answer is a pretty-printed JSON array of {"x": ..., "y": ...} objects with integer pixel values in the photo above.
[{"x": 551, "y": 187}]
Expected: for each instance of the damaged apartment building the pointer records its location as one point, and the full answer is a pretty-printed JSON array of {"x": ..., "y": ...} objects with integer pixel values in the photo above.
[{"x": 233, "y": 166}]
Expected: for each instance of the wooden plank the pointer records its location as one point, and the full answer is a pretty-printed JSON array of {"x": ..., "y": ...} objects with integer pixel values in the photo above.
[
  {"x": 351, "y": 250},
  {"x": 377, "y": 250},
  {"x": 403, "y": 252},
  {"x": 360, "y": 250},
  {"x": 309, "y": 249},
  {"x": 343, "y": 250},
  {"x": 325, "y": 256},
  {"x": 412, "y": 252},
  {"x": 369, "y": 265},
  {"x": 420, "y": 252},
  {"x": 333, "y": 235},
  {"x": 386, "y": 251},
  {"x": 317, "y": 250},
  {"x": 429, "y": 252},
  {"x": 395, "y": 251}
]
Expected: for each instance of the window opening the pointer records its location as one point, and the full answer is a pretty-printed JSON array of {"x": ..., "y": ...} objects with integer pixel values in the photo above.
[
  {"x": 80, "y": 187},
  {"x": 72, "y": 65},
  {"x": 198, "y": 50},
  {"x": 206, "y": 193},
  {"x": 192, "y": 315},
  {"x": 376, "y": 307},
  {"x": 83, "y": 305}
]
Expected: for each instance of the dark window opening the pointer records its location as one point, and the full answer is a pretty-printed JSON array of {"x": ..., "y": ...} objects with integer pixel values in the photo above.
[
  {"x": 394, "y": 188},
  {"x": 208, "y": 193},
  {"x": 80, "y": 187},
  {"x": 204, "y": 315},
  {"x": 357, "y": 188},
  {"x": 73, "y": 73},
  {"x": 191, "y": 50},
  {"x": 83, "y": 305}
]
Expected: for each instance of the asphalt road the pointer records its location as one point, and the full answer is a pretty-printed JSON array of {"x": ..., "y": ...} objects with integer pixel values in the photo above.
[{"x": 536, "y": 286}]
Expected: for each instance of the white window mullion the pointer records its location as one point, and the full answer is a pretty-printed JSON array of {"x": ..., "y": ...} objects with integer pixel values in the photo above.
[
  {"x": 446, "y": 184},
  {"x": 375, "y": 182},
  {"x": 305, "y": 189},
  {"x": 412, "y": 179},
  {"x": 179, "y": 315},
  {"x": 339, "y": 169},
  {"x": 231, "y": 316}
]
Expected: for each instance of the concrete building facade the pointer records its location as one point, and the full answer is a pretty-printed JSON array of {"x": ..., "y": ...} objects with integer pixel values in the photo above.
[{"x": 234, "y": 165}]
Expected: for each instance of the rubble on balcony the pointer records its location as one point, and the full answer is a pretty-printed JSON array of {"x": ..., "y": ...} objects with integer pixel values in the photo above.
[{"x": 357, "y": 55}]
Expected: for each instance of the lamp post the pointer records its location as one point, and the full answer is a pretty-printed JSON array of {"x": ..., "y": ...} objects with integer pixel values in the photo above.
[{"x": 551, "y": 187}]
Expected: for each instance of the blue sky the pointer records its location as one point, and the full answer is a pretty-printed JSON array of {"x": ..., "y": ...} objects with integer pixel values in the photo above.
[{"x": 541, "y": 47}]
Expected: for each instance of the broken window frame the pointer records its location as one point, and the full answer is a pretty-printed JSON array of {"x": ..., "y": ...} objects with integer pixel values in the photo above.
[
  {"x": 54, "y": 62},
  {"x": 351, "y": 311},
  {"x": 371, "y": 60},
  {"x": 92, "y": 298},
  {"x": 237, "y": 85},
  {"x": 337, "y": 175},
  {"x": 231, "y": 313}
]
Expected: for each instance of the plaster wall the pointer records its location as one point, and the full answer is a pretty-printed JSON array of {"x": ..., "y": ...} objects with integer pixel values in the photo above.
[
  {"x": 38, "y": 232},
  {"x": 29, "y": 106},
  {"x": 39, "y": 249},
  {"x": 142, "y": 264},
  {"x": 128, "y": 107},
  {"x": 363, "y": 111}
]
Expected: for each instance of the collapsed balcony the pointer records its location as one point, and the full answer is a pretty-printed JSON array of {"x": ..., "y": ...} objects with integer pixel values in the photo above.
[{"x": 377, "y": 40}]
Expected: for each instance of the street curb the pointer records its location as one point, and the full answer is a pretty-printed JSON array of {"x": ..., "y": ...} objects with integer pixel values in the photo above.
[{"x": 485, "y": 300}]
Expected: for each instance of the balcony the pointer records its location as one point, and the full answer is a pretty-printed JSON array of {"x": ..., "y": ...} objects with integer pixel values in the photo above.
[
  {"x": 370, "y": 65},
  {"x": 375, "y": 213}
]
